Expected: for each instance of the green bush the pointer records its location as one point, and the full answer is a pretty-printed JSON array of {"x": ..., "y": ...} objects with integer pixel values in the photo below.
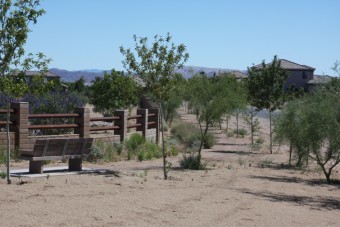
[
  {"x": 183, "y": 131},
  {"x": 191, "y": 161},
  {"x": 96, "y": 154},
  {"x": 230, "y": 134},
  {"x": 242, "y": 132},
  {"x": 3, "y": 174},
  {"x": 209, "y": 141},
  {"x": 149, "y": 151},
  {"x": 259, "y": 140},
  {"x": 134, "y": 142}
]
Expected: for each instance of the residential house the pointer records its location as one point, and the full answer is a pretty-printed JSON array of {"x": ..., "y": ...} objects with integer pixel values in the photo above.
[{"x": 299, "y": 75}]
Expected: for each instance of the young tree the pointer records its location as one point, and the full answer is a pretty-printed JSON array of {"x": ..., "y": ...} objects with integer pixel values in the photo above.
[
  {"x": 15, "y": 18},
  {"x": 249, "y": 117},
  {"x": 289, "y": 130},
  {"x": 210, "y": 99},
  {"x": 113, "y": 91},
  {"x": 265, "y": 88},
  {"x": 156, "y": 64},
  {"x": 312, "y": 126}
]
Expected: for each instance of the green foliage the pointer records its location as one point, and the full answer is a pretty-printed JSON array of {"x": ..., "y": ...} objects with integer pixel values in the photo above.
[
  {"x": 3, "y": 174},
  {"x": 192, "y": 161},
  {"x": 134, "y": 142},
  {"x": 259, "y": 140},
  {"x": 211, "y": 98},
  {"x": 96, "y": 154},
  {"x": 230, "y": 133},
  {"x": 113, "y": 91},
  {"x": 242, "y": 132},
  {"x": 311, "y": 126},
  {"x": 266, "y": 163},
  {"x": 209, "y": 141},
  {"x": 265, "y": 87},
  {"x": 156, "y": 64},
  {"x": 249, "y": 117},
  {"x": 186, "y": 133},
  {"x": 149, "y": 151},
  {"x": 15, "y": 20}
]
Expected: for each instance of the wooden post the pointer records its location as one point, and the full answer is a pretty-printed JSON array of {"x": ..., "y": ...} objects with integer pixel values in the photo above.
[
  {"x": 156, "y": 120},
  {"x": 84, "y": 132},
  {"x": 83, "y": 121},
  {"x": 122, "y": 123},
  {"x": 20, "y": 124},
  {"x": 144, "y": 121}
]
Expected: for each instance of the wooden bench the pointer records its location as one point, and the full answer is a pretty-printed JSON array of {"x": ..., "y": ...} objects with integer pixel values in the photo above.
[{"x": 73, "y": 149}]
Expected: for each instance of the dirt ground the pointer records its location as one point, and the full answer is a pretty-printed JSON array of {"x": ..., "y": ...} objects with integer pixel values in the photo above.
[{"x": 240, "y": 188}]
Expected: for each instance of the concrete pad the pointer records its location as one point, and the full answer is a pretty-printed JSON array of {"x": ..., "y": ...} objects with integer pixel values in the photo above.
[{"x": 51, "y": 171}]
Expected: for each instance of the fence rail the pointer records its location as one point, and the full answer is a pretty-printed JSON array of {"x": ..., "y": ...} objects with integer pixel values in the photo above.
[{"x": 22, "y": 122}]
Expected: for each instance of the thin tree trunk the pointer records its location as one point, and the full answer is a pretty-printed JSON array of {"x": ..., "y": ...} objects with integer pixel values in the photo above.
[
  {"x": 290, "y": 153},
  {"x": 270, "y": 132},
  {"x": 252, "y": 128},
  {"x": 237, "y": 123},
  {"x": 8, "y": 160},
  {"x": 163, "y": 144}
]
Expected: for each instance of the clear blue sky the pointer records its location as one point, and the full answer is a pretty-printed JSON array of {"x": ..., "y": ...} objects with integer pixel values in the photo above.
[{"x": 86, "y": 34}]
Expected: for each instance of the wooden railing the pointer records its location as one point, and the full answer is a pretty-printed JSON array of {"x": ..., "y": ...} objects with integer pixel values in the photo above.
[{"x": 22, "y": 122}]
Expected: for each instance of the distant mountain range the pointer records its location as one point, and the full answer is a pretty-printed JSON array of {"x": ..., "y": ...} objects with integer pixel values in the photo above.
[{"x": 90, "y": 74}]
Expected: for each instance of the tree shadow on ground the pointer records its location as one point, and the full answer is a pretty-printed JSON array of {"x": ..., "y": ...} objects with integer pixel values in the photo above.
[
  {"x": 103, "y": 172},
  {"x": 232, "y": 152},
  {"x": 232, "y": 144},
  {"x": 285, "y": 179},
  {"x": 314, "y": 202}
]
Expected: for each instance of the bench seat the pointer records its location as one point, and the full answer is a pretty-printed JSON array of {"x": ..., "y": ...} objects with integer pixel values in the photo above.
[{"x": 73, "y": 149}]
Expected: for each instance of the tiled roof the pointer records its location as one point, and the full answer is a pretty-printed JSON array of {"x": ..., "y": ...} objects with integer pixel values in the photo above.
[
  {"x": 238, "y": 74},
  {"x": 320, "y": 79},
  {"x": 46, "y": 74},
  {"x": 289, "y": 65}
]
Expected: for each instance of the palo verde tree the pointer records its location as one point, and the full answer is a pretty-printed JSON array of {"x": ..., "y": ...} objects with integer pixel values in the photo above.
[
  {"x": 311, "y": 126},
  {"x": 15, "y": 18},
  {"x": 265, "y": 88},
  {"x": 211, "y": 98},
  {"x": 155, "y": 64},
  {"x": 113, "y": 91}
]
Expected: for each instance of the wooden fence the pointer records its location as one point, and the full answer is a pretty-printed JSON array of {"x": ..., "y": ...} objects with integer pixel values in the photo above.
[{"x": 146, "y": 121}]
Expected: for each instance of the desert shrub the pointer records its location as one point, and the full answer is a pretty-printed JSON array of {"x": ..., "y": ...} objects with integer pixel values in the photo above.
[
  {"x": 230, "y": 134},
  {"x": 259, "y": 140},
  {"x": 266, "y": 162},
  {"x": 183, "y": 131},
  {"x": 15, "y": 155},
  {"x": 134, "y": 142},
  {"x": 242, "y": 132},
  {"x": 192, "y": 140},
  {"x": 2, "y": 155},
  {"x": 96, "y": 154},
  {"x": 172, "y": 147},
  {"x": 191, "y": 161},
  {"x": 3, "y": 174},
  {"x": 149, "y": 151},
  {"x": 209, "y": 141}
]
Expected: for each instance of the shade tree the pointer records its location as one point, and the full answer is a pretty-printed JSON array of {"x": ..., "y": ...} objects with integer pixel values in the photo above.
[{"x": 155, "y": 63}]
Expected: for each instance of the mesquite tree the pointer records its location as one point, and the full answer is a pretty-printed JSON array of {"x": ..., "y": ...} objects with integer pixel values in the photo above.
[
  {"x": 211, "y": 98},
  {"x": 15, "y": 18},
  {"x": 155, "y": 64},
  {"x": 265, "y": 88},
  {"x": 113, "y": 91}
]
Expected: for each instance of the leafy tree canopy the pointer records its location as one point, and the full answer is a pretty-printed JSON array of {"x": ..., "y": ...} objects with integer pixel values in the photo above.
[{"x": 113, "y": 91}]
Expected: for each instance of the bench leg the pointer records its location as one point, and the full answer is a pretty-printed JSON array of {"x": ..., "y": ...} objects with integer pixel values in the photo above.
[
  {"x": 36, "y": 167},
  {"x": 75, "y": 164}
]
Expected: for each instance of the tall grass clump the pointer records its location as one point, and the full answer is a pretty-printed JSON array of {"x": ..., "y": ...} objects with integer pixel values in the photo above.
[
  {"x": 191, "y": 161},
  {"x": 132, "y": 144}
]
